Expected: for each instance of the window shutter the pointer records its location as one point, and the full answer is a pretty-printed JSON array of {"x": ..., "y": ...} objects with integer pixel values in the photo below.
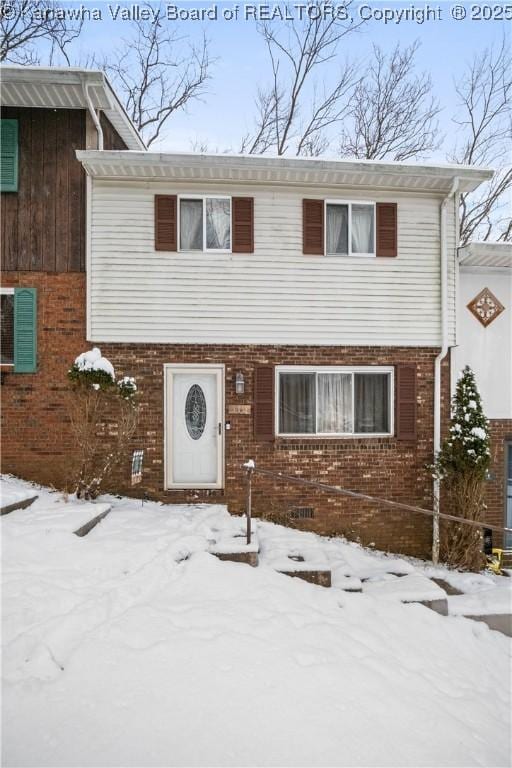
[
  {"x": 9, "y": 156},
  {"x": 406, "y": 402},
  {"x": 242, "y": 209},
  {"x": 166, "y": 230},
  {"x": 386, "y": 229},
  {"x": 313, "y": 227},
  {"x": 264, "y": 402},
  {"x": 25, "y": 330}
]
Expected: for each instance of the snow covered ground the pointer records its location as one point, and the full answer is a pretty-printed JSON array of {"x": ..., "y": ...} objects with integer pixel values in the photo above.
[{"x": 133, "y": 646}]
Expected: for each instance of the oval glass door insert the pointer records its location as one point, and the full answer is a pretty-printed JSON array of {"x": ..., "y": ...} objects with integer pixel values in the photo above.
[{"x": 195, "y": 411}]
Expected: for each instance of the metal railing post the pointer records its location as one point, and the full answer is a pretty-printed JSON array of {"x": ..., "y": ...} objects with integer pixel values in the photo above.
[{"x": 248, "y": 510}]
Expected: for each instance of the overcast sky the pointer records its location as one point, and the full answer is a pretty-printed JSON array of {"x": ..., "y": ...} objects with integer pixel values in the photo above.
[{"x": 225, "y": 114}]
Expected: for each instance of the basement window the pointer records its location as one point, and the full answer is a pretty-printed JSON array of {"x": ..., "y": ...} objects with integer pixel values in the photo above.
[
  {"x": 334, "y": 402},
  {"x": 7, "y": 326}
]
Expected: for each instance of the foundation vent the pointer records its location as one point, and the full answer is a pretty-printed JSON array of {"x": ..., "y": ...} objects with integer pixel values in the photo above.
[{"x": 302, "y": 513}]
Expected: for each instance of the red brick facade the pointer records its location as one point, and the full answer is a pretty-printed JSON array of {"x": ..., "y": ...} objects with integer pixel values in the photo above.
[
  {"x": 37, "y": 441},
  {"x": 495, "y": 497},
  {"x": 35, "y": 432}
]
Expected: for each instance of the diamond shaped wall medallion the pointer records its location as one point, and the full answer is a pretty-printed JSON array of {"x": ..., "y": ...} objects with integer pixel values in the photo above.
[{"x": 486, "y": 307}]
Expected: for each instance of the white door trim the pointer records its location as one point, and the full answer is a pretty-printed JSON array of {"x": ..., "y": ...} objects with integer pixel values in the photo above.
[{"x": 169, "y": 370}]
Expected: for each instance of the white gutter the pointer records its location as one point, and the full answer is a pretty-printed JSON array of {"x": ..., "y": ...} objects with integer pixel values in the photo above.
[
  {"x": 92, "y": 112},
  {"x": 437, "y": 364}
]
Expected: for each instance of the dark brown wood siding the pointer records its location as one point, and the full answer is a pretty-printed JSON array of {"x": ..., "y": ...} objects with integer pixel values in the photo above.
[
  {"x": 43, "y": 223},
  {"x": 111, "y": 138}
]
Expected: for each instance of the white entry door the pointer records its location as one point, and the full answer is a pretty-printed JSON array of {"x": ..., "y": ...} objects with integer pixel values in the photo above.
[{"x": 194, "y": 426}]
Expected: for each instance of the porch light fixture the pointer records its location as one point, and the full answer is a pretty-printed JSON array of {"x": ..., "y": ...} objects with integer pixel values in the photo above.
[{"x": 239, "y": 383}]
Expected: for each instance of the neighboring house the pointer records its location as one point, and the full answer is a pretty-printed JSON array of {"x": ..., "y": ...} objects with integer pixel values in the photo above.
[
  {"x": 484, "y": 339},
  {"x": 290, "y": 311},
  {"x": 47, "y": 114}
]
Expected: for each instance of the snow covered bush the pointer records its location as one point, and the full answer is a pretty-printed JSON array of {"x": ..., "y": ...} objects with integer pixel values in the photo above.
[
  {"x": 103, "y": 414},
  {"x": 462, "y": 465}
]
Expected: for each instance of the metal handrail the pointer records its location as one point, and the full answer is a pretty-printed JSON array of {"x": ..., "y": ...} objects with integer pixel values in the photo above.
[{"x": 251, "y": 468}]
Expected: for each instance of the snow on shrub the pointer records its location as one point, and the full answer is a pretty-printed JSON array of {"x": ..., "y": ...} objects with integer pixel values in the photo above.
[
  {"x": 468, "y": 446},
  {"x": 90, "y": 369},
  {"x": 103, "y": 414},
  {"x": 462, "y": 464}
]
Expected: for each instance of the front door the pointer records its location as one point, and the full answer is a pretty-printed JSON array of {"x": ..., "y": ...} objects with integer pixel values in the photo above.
[{"x": 194, "y": 426}]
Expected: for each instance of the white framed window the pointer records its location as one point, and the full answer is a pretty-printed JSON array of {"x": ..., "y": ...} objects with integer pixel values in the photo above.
[
  {"x": 204, "y": 223},
  {"x": 349, "y": 228},
  {"x": 334, "y": 401},
  {"x": 7, "y": 326}
]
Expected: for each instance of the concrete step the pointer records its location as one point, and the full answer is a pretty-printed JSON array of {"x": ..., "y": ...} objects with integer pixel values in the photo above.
[
  {"x": 321, "y": 577},
  {"x": 22, "y": 504}
]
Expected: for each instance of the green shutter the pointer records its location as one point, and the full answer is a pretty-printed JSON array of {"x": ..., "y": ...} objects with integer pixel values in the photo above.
[
  {"x": 9, "y": 156},
  {"x": 25, "y": 330}
]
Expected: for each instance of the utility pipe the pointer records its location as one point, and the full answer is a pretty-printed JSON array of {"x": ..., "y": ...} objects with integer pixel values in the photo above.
[
  {"x": 92, "y": 112},
  {"x": 437, "y": 363}
]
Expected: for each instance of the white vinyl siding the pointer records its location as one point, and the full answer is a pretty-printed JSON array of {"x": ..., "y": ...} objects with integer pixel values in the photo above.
[{"x": 276, "y": 295}]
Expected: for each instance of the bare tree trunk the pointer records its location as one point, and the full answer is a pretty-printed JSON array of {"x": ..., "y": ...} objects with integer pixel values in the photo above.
[
  {"x": 393, "y": 112},
  {"x": 484, "y": 124},
  {"x": 25, "y": 24},
  {"x": 297, "y": 50},
  {"x": 157, "y": 72}
]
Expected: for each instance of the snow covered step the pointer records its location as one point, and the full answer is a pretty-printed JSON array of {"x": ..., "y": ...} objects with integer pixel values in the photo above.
[
  {"x": 93, "y": 522},
  {"x": 411, "y": 588},
  {"x": 21, "y": 504},
  {"x": 15, "y": 495},
  {"x": 320, "y": 576},
  {"x": 493, "y": 606},
  {"x": 231, "y": 543}
]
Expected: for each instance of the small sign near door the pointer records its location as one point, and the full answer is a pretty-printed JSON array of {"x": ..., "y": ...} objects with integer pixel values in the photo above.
[{"x": 137, "y": 467}]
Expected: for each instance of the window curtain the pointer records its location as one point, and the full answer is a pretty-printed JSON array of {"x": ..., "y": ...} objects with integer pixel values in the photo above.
[
  {"x": 371, "y": 392},
  {"x": 218, "y": 223},
  {"x": 337, "y": 229},
  {"x": 362, "y": 229},
  {"x": 297, "y": 403},
  {"x": 335, "y": 402},
  {"x": 191, "y": 225}
]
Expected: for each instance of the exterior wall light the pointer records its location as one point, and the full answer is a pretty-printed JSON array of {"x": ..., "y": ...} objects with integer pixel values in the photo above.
[{"x": 239, "y": 383}]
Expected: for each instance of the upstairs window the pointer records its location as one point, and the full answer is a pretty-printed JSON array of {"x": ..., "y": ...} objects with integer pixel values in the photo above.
[
  {"x": 350, "y": 229},
  {"x": 205, "y": 224},
  {"x": 335, "y": 401}
]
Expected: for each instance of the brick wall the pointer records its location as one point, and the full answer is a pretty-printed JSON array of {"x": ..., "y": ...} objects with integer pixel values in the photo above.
[
  {"x": 501, "y": 432},
  {"x": 35, "y": 432},
  {"x": 37, "y": 440},
  {"x": 378, "y": 466}
]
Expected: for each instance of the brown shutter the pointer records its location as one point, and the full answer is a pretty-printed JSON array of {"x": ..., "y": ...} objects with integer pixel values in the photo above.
[
  {"x": 166, "y": 230},
  {"x": 386, "y": 229},
  {"x": 313, "y": 227},
  {"x": 242, "y": 209},
  {"x": 406, "y": 402},
  {"x": 264, "y": 402}
]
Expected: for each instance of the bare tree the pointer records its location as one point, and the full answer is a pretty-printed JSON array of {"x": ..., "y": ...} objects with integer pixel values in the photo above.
[
  {"x": 297, "y": 50},
  {"x": 157, "y": 73},
  {"x": 485, "y": 124},
  {"x": 393, "y": 111},
  {"x": 24, "y": 25}
]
